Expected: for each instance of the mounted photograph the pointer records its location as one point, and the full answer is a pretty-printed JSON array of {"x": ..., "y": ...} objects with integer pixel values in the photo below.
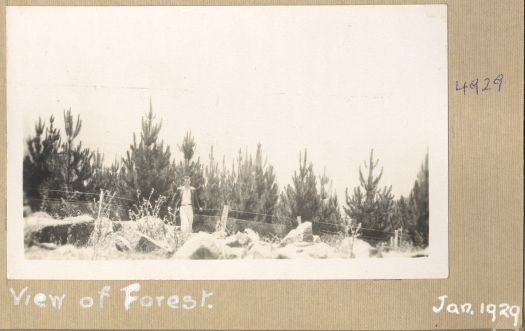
[{"x": 260, "y": 142}]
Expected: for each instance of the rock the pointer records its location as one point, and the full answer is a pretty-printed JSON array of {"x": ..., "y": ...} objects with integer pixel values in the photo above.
[
  {"x": 254, "y": 237},
  {"x": 234, "y": 252},
  {"x": 79, "y": 219},
  {"x": 319, "y": 251},
  {"x": 239, "y": 240},
  {"x": 148, "y": 245},
  {"x": 43, "y": 229},
  {"x": 122, "y": 244},
  {"x": 219, "y": 234},
  {"x": 317, "y": 239},
  {"x": 303, "y": 232},
  {"x": 231, "y": 241},
  {"x": 260, "y": 251},
  {"x": 355, "y": 248},
  {"x": 199, "y": 247},
  {"x": 289, "y": 252}
]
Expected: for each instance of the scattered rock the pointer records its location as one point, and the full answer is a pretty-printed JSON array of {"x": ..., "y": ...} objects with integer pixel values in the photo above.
[
  {"x": 234, "y": 252},
  {"x": 122, "y": 244},
  {"x": 219, "y": 234},
  {"x": 303, "y": 232},
  {"x": 319, "y": 251},
  {"x": 238, "y": 240},
  {"x": 260, "y": 251},
  {"x": 148, "y": 245},
  {"x": 351, "y": 247},
  {"x": 40, "y": 228},
  {"x": 289, "y": 252},
  {"x": 199, "y": 247},
  {"x": 254, "y": 237}
]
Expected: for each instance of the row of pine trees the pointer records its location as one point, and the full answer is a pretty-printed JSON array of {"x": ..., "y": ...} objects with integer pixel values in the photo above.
[{"x": 57, "y": 167}]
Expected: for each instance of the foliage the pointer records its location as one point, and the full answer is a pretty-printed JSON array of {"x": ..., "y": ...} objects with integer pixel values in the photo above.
[
  {"x": 57, "y": 168},
  {"x": 301, "y": 197},
  {"x": 145, "y": 207},
  {"x": 213, "y": 200},
  {"x": 147, "y": 167},
  {"x": 329, "y": 205},
  {"x": 419, "y": 205},
  {"x": 38, "y": 162},
  {"x": 370, "y": 205},
  {"x": 254, "y": 191}
]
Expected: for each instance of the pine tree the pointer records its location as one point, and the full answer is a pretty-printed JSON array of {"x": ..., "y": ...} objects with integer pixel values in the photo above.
[
  {"x": 370, "y": 205},
  {"x": 146, "y": 167},
  {"x": 329, "y": 207},
  {"x": 212, "y": 189},
  {"x": 301, "y": 197},
  {"x": 267, "y": 191},
  {"x": 104, "y": 178},
  {"x": 38, "y": 162},
  {"x": 419, "y": 205}
]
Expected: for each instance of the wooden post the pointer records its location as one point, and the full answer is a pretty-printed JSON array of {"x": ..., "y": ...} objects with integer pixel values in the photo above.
[
  {"x": 299, "y": 220},
  {"x": 100, "y": 201},
  {"x": 396, "y": 238},
  {"x": 221, "y": 226}
]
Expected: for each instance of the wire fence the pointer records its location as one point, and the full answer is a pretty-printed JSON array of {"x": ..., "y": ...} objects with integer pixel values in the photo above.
[{"x": 122, "y": 207}]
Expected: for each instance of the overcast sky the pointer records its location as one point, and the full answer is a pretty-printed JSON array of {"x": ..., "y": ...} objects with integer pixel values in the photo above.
[{"x": 337, "y": 80}]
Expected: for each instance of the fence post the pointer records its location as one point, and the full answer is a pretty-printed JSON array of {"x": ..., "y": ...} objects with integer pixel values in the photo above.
[
  {"x": 101, "y": 200},
  {"x": 221, "y": 225},
  {"x": 299, "y": 220},
  {"x": 396, "y": 238}
]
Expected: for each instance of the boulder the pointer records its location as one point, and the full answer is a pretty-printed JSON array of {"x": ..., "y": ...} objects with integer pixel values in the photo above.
[
  {"x": 319, "y": 251},
  {"x": 290, "y": 251},
  {"x": 254, "y": 237},
  {"x": 200, "y": 246},
  {"x": 351, "y": 247},
  {"x": 303, "y": 232},
  {"x": 122, "y": 244},
  {"x": 234, "y": 252},
  {"x": 40, "y": 228},
  {"x": 260, "y": 251},
  {"x": 148, "y": 245},
  {"x": 240, "y": 239}
]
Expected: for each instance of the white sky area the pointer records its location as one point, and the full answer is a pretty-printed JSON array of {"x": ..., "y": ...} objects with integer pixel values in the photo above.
[{"x": 337, "y": 80}]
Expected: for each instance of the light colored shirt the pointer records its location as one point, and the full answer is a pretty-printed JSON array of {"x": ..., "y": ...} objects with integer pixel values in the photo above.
[{"x": 186, "y": 196}]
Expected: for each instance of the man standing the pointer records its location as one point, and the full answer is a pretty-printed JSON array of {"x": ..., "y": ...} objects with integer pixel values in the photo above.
[{"x": 187, "y": 200}]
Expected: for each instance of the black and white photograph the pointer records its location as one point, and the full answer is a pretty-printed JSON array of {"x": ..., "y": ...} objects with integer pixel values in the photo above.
[{"x": 260, "y": 142}]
